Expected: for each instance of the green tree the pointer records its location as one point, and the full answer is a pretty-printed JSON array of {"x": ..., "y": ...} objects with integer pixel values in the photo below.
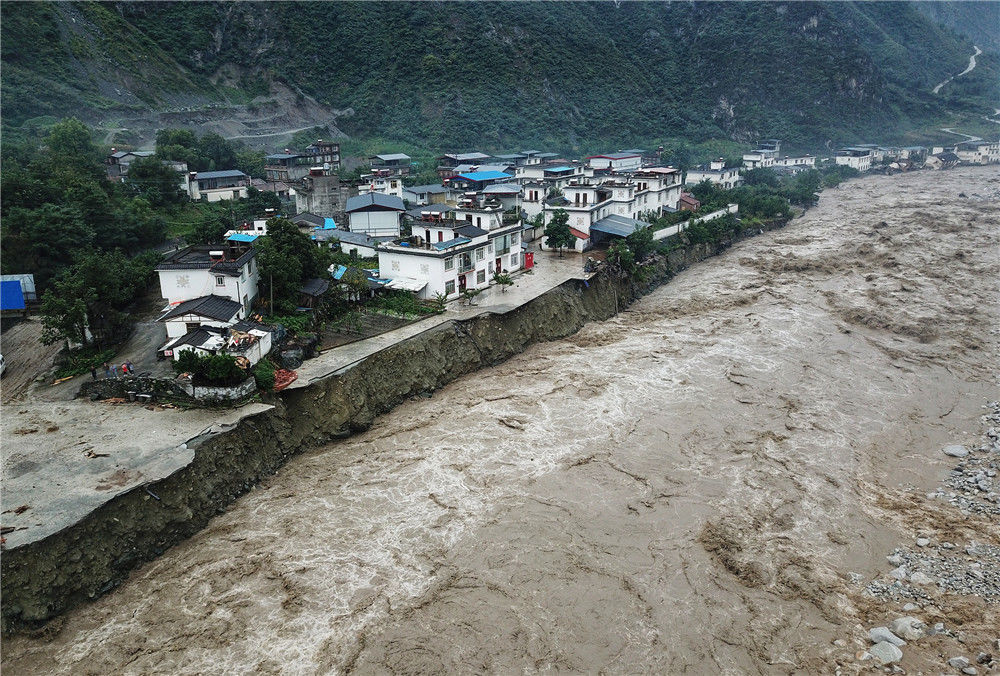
[
  {"x": 640, "y": 242},
  {"x": 154, "y": 181},
  {"x": 100, "y": 286},
  {"x": 761, "y": 176},
  {"x": 621, "y": 257},
  {"x": 503, "y": 279},
  {"x": 287, "y": 258},
  {"x": 557, "y": 232}
]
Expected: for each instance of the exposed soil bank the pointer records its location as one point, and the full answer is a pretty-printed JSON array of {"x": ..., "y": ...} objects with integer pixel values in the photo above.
[{"x": 45, "y": 578}]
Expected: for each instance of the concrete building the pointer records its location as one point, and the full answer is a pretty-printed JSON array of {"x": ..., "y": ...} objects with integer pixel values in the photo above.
[
  {"x": 856, "y": 157},
  {"x": 715, "y": 172},
  {"x": 433, "y": 193},
  {"x": 225, "y": 270},
  {"x": 375, "y": 214},
  {"x": 215, "y": 186},
  {"x": 623, "y": 161},
  {"x": 454, "y": 248},
  {"x": 390, "y": 164},
  {"x": 978, "y": 152},
  {"x": 325, "y": 154},
  {"x": 321, "y": 193},
  {"x": 632, "y": 196}
]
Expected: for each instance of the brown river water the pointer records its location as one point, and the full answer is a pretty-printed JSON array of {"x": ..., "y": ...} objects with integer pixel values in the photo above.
[{"x": 682, "y": 488}]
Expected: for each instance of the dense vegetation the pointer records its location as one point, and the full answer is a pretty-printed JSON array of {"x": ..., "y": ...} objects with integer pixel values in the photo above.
[{"x": 568, "y": 76}]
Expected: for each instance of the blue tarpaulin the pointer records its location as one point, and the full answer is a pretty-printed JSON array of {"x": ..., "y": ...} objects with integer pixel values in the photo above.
[{"x": 11, "y": 296}]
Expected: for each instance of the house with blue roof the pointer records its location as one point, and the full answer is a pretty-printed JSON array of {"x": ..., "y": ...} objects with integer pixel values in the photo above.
[{"x": 476, "y": 181}]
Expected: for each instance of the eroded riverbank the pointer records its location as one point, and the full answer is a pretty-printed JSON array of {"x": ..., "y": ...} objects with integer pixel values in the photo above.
[{"x": 684, "y": 485}]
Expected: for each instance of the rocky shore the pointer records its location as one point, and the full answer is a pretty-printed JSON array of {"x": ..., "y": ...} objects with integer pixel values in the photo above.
[{"x": 946, "y": 588}]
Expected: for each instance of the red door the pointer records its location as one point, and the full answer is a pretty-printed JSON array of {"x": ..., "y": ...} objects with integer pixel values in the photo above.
[
  {"x": 499, "y": 265},
  {"x": 529, "y": 260}
]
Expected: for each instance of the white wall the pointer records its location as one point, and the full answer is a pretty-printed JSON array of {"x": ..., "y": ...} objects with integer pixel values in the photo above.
[
  {"x": 375, "y": 223},
  {"x": 862, "y": 163},
  {"x": 180, "y": 285},
  {"x": 177, "y": 326}
]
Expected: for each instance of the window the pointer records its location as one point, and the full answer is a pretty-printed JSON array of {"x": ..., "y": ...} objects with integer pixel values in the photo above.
[
  {"x": 449, "y": 263},
  {"x": 514, "y": 238},
  {"x": 220, "y": 280},
  {"x": 480, "y": 253},
  {"x": 449, "y": 288},
  {"x": 489, "y": 247},
  {"x": 481, "y": 277},
  {"x": 513, "y": 260}
]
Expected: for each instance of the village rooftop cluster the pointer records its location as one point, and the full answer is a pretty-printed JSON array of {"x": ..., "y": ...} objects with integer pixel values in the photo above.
[{"x": 437, "y": 241}]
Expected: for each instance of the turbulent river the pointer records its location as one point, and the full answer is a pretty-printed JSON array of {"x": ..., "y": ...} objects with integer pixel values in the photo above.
[{"x": 681, "y": 488}]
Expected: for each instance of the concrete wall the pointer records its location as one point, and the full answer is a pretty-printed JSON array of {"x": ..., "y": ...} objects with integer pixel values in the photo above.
[{"x": 45, "y": 578}]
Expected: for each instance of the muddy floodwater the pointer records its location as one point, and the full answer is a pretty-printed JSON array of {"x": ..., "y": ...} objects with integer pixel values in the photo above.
[{"x": 684, "y": 487}]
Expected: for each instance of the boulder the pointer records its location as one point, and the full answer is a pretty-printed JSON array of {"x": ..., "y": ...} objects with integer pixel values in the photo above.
[
  {"x": 955, "y": 451},
  {"x": 880, "y": 634},
  {"x": 909, "y": 628},
  {"x": 885, "y": 653}
]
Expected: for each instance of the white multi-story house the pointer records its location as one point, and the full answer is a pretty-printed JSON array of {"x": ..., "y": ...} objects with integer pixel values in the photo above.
[
  {"x": 856, "y": 157},
  {"x": 454, "y": 249},
  {"x": 214, "y": 186},
  {"x": 765, "y": 155},
  {"x": 978, "y": 152},
  {"x": 632, "y": 197},
  {"x": 207, "y": 285},
  {"x": 375, "y": 214},
  {"x": 714, "y": 172},
  {"x": 807, "y": 161},
  {"x": 625, "y": 161}
]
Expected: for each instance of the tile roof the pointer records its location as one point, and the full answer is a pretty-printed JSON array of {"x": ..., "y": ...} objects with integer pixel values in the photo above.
[
  {"x": 228, "y": 173},
  {"x": 374, "y": 200},
  {"x": 307, "y": 218},
  {"x": 219, "y": 308},
  {"x": 470, "y": 231},
  {"x": 199, "y": 258}
]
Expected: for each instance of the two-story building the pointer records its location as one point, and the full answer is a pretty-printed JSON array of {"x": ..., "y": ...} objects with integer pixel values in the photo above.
[
  {"x": 375, "y": 214},
  {"x": 390, "y": 164},
  {"x": 978, "y": 152},
  {"x": 448, "y": 162},
  {"x": 715, "y": 172},
  {"x": 628, "y": 198},
  {"x": 856, "y": 157},
  {"x": 622, "y": 161},
  {"x": 215, "y": 186},
  {"x": 208, "y": 289},
  {"x": 286, "y": 167},
  {"x": 452, "y": 249}
]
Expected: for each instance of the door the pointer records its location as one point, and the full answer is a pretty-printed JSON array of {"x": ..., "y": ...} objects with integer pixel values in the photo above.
[
  {"x": 462, "y": 282},
  {"x": 529, "y": 260},
  {"x": 499, "y": 267}
]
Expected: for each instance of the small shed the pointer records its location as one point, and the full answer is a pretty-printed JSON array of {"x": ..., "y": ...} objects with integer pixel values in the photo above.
[{"x": 12, "y": 299}]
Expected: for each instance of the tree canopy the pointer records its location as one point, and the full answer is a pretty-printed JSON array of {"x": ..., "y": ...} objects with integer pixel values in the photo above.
[{"x": 557, "y": 232}]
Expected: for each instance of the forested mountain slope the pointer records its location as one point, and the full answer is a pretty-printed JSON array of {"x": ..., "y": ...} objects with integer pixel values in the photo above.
[{"x": 498, "y": 75}]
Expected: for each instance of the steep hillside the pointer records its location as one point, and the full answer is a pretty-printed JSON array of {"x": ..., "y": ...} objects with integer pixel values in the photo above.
[
  {"x": 978, "y": 20},
  {"x": 565, "y": 75}
]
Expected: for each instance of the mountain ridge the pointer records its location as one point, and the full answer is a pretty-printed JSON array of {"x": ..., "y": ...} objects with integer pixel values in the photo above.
[{"x": 504, "y": 74}]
